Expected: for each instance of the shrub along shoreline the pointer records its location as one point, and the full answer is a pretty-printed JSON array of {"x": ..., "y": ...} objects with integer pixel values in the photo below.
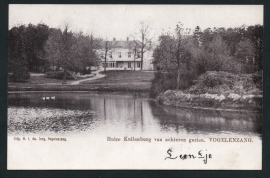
[
  {"x": 219, "y": 90},
  {"x": 214, "y": 101}
]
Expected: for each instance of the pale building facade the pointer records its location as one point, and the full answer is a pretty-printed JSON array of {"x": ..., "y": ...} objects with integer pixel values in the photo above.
[{"x": 122, "y": 58}]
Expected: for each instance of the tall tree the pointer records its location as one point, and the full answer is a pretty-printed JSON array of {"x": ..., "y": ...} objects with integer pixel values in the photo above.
[
  {"x": 197, "y": 36},
  {"x": 134, "y": 48},
  {"x": 66, "y": 51},
  {"x": 255, "y": 34},
  {"x": 61, "y": 49},
  {"x": 180, "y": 50},
  {"x": 53, "y": 48},
  {"x": 86, "y": 55},
  {"x": 33, "y": 39},
  {"x": 106, "y": 47},
  {"x": 172, "y": 52},
  {"x": 216, "y": 53},
  {"x": 246, "y": 52},
  {"x": 145, "y": 39},
  {"x": 37, "y": 36},
  {"x": 17, "y": 58}
]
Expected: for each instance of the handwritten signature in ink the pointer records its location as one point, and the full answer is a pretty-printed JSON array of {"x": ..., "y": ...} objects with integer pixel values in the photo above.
[{"x": 200, "y": 155}]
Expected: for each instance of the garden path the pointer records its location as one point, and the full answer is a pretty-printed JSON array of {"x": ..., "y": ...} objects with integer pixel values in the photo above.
[{"x": 97, "y": 75}]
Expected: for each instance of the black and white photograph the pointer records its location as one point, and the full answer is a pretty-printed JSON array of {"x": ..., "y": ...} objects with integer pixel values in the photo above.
[{"x": 135, "y": 87}]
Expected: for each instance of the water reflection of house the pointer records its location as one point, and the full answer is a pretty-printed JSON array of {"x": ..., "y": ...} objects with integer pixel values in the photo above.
[{"x": 121, "y": 57}]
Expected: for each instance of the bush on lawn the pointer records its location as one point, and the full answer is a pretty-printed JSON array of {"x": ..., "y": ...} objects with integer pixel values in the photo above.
[{"x": 59, "y": 75}]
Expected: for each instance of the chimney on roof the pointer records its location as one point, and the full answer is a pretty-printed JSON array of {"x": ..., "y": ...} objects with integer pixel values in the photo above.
[
  {"x": 113, "y": 39},
  {"x": 127, "y": 39}
]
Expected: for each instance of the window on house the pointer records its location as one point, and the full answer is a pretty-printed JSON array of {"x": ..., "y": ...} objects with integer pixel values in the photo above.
[
  {"x": 129, "y": 64},
  {"x": 138, "y": 54},
  {"x": 138, "y": 64},
  {"x": 111, "y": 54},
  {"x": 119, "y": 54},
  {"x": 129, "y": 54},
  {"x": 112, "y": 65}
]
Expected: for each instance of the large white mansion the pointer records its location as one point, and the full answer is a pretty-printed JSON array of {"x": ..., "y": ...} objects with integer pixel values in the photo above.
[{"x": 121, "y": 57}]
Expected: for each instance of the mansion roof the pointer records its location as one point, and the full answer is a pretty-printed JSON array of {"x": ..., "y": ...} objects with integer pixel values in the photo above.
[
  {"x": 127, "y": 44},
  {"x": 123, "y": 44}
]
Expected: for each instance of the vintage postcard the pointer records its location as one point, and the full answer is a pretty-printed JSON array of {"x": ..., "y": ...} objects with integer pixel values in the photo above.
[{"x": 135, "y": 87}]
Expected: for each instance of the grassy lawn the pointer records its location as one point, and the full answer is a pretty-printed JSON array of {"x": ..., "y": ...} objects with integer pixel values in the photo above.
[
  {"x": 42, "y": 79},
  {"x": 114, "y": 81},
  {"x": 124, "y": 77},
  {"x": 123, "y": 80}
]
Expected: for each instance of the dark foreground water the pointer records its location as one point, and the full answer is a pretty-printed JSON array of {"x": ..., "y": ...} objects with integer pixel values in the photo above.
[{"x": 84, "y": 113}]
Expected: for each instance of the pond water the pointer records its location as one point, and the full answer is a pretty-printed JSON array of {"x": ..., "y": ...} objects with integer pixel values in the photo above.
[
  {"x": 86, "y": 121},
  {"x": 84, "y": 113}
]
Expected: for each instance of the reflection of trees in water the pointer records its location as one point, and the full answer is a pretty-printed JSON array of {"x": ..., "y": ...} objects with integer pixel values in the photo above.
[
  {"x": 110, "y": 109},
  {"x": 209, "y": 121},
  {"x": 127, "y": 112},
  {"x": 141, "y": 115}
]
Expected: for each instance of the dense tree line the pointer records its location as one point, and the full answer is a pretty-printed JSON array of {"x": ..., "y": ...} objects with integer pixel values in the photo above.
[
  {"x": 26, "y": 49},
  {"x": 71, "y": 51},
  {"x": 38, "y": 48},
  {"x": 181, "y": 56}
]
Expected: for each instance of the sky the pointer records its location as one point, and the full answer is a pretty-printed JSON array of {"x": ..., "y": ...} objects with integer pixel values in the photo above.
[{"x": 122, "y": 21}]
